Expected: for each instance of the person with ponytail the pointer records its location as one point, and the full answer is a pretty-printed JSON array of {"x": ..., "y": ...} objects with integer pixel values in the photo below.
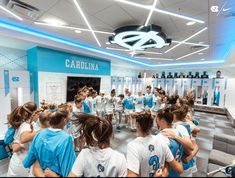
[
  {"x": 165, "y": 121},
  {"x": 99, "y": 160},
  {"x": 190, "y": 145},
  {"x": 52, "y": 147},
  {"x": 21, "y": 120},
  {"x": 147, "y": 155}
]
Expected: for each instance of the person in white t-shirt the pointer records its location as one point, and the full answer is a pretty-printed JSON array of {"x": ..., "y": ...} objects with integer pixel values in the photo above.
[
  {"x": 119, "y": 110},
  {"x": 99, "y": 160},
  {"x": 156, "y": 103},
  {"x": 139, "y": 102},
  {"x": 20, "y": 119},
  {"x": 110, "y": 102},
  {"x": 164, "y": 102},
  {"x": 147, "y": 155},
  {"x": 100, "y": 104}
]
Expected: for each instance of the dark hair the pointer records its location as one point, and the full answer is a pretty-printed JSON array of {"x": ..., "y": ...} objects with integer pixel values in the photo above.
[
  {"x": 190, "y": 102},
  {"x": 76, "y": 96},
  {"x": 149, "y": 87},
  {"x": 93, "y": 92},
  {"x": 121, "y": 95},
  {"x": 52, "y": 106},
  {"x": 181, "y": 101},
  {"x": 174, "y": 107},
  {"x": 145, "y": 121},
  {"x": 113, "y": 91},
  {"x": 166, "y": 115},
  {"x": 22, "y": 114},
  {"x": 181, "y": 113},
  {"x": 96, "y": 131},
  {"x": 44, "y": 117},
  {"x": 78, "y": 100},
  {"x": 55, "y": 118}
]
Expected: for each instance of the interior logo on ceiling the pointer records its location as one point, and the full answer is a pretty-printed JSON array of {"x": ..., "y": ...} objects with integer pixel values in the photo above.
[{"x": 140, "y": 37}]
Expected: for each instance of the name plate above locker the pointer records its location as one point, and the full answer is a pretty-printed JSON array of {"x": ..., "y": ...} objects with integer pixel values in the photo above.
[{"x": 197, "y": 82}]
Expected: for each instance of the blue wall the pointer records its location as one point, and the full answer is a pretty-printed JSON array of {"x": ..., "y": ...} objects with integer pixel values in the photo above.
[{"x": 48, "y": 60}]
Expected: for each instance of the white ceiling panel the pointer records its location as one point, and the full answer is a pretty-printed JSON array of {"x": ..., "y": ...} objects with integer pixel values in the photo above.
[{"x": 108, "y": 15}]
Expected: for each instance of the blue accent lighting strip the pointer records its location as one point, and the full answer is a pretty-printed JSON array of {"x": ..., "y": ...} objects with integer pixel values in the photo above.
[{"x": 83, "y": 46}]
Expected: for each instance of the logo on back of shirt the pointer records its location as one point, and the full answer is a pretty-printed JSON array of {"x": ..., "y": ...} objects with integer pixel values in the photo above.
[
  {"x": 100, "y": 168},
  {"x": 151, "y": 148}
]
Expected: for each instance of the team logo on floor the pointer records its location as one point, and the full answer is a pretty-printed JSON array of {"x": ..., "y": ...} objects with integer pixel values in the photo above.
[{"x": 140, "y": 37}]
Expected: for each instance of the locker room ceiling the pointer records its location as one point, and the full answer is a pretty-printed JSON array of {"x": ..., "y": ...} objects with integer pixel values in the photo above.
[{"x": 108, "y": 15}]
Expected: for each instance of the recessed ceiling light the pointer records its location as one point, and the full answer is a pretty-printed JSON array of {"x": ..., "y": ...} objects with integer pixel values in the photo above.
[
  {"x": 78, "y": 31},
  {"x": 200, "y": 53},
  {"x": 202, "y": 42},
  {"x": 190, "y": 23},
  {"x": 108, "y": 43},
  {"x": 53, "y": 21},
  {"x": 202, "y": 59}
]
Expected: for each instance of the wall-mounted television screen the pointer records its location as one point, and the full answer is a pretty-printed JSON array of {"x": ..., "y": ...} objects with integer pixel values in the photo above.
[{"x": 75, "y": 83}]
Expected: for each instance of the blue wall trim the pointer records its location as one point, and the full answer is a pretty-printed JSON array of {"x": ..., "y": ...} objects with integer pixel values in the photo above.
[{"x": 48, "y": 60}]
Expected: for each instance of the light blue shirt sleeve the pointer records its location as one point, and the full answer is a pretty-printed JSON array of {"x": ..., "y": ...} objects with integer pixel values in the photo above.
[
  {"x": 67, "y": 157},
  {"x": 31, "y": 157}
]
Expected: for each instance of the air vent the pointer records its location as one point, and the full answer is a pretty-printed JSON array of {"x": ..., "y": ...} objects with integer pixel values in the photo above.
[{"x": 21, "y": 8}]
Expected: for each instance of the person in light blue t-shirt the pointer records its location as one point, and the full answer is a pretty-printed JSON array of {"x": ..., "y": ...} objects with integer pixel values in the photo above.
[
  {"x": 148, "y": 98},
  {"x": 52, "y": 147}
]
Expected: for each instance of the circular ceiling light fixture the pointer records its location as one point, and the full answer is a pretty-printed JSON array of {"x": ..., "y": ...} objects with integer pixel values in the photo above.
[
  {"x": 138, "y": 38},
  {"x": 191, "y": 23}
]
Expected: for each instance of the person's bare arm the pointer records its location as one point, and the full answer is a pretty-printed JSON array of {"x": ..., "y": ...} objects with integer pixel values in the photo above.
[
  {"x": 177, "y": 166},
  {"x": 72, "y": 175},
  {"x": 131, "y": 174},
  {"x": 193, "y": 153},
  {"x": 165, "y": 171},
  {"x": 50, "y": 173},
  {"x": 27, "y": 136},
  {"x": 16, "y": 147},
  {"x": 37, "y": 170},
  {"x": 185, "y": 141}
]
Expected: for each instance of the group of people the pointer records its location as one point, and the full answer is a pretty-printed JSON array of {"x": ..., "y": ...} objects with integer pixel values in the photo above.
[{"x": 45, "y": 140}]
